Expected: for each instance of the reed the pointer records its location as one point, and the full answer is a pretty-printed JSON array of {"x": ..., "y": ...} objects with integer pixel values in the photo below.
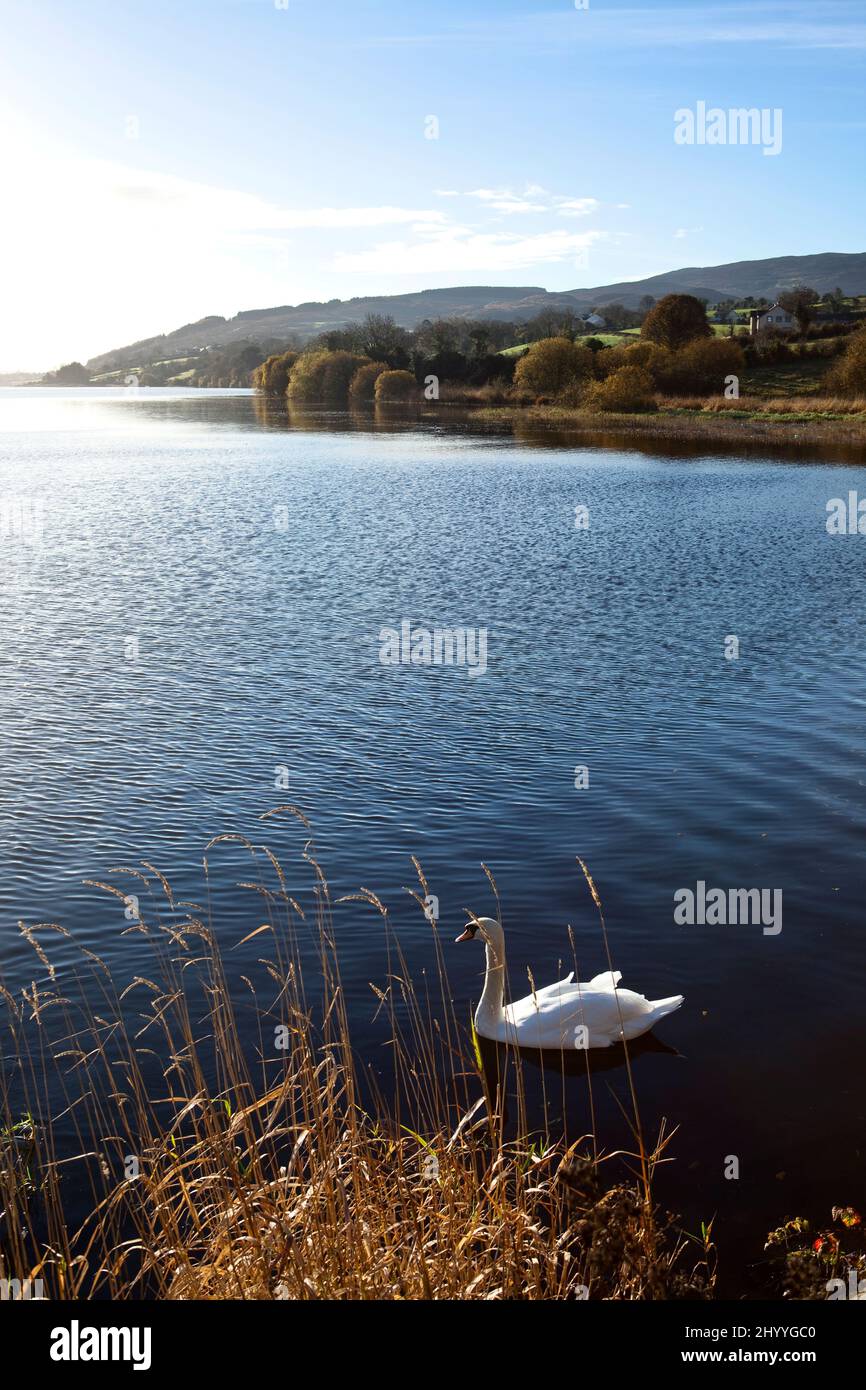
[{"x": 206, "y": 1169}]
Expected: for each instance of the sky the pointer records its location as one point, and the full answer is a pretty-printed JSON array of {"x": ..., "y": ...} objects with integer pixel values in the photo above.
[{"x": 165, "y": 161}]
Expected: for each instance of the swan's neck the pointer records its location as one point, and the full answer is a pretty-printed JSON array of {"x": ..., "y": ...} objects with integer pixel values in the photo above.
[{"x": 489, "y": 1009}]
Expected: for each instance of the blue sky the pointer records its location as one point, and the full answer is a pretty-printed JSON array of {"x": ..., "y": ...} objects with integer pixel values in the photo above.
[{"x": 170, "y": 160}]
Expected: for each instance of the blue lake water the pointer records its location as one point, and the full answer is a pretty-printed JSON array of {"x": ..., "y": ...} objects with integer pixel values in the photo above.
[{"x": 192, "y": 608}]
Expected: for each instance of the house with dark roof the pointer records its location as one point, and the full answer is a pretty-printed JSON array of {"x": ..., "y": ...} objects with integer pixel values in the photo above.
[{"x": 775, "y": 318}]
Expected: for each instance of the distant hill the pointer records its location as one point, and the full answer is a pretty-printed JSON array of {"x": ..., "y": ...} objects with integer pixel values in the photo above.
[
  {"x": 737, "y": 280},
  {"x": 19, "y": 378}
]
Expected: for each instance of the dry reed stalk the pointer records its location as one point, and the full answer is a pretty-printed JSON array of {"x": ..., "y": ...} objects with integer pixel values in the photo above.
[{"x": 260, "y": 1173}]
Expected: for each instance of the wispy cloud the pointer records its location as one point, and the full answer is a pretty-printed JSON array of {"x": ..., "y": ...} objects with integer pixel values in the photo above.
[
  {"x": 457, "y": 250},
  {"x": 225, "y": 209},
  {"x": 534, "y": 199},
  {"x": 780, "y": 23},
  {"x": 504, "y": 200}
]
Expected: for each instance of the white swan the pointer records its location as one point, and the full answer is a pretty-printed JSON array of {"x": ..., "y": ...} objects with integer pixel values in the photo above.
[{"x": 566, "y": 1015}]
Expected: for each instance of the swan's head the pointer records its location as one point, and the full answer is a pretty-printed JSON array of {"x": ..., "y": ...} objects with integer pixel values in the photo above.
[{"x": 485, "y": 927}]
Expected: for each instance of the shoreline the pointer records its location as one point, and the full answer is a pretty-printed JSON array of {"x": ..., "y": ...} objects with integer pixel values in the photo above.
[{"x": 687, "y": 426}]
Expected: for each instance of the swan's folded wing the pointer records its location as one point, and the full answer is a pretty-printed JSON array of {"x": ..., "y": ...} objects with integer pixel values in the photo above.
[
  {"x": 550, "y": 1017},
  {"x": 566, "y": 995},
  {"x": 608, "y": 980},
  {"x": 561, "y": 1002},
  {"x": 551, "y": 991}
]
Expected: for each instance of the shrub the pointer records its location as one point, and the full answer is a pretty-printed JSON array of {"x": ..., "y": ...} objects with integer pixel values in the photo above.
[
  {"x": 447, "y": 365},
  {"x": 552, "y": 364},
  {"x": 362, "y": 387},
  {"x": 609, "y": 361},
  {"x": 492, "y": 367},
  {"x": 575, "y": 394},
  {"x": 770, "y": 346},
  {"x": 272, "y": 375},
  {"x": 399, "y": 387},
  {"x": 700, "y": 367},
  {"x": 652, "y": 357},
  {"x": 848, "y": 375},
  {"x": 307, "y": 376},
  {"x": 676, "y": 320},
  {"x": 338, "y": 375},
  {"x": 625, "y": 390}
]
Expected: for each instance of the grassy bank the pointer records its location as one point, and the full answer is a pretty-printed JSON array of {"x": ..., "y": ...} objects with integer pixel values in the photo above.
[
  {"x": 711, "y": 426},
  {"x": 206, "y": 1172},
  {"x": 766, "y": 420}
]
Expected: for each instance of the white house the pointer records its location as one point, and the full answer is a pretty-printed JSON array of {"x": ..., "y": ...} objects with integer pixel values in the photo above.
[
  {"x": 595, "y": 321},
  {"x": 775, "y": 318}
]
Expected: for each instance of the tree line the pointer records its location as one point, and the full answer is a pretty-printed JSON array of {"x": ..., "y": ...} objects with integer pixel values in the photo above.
[{"x": 676, "y": 354}]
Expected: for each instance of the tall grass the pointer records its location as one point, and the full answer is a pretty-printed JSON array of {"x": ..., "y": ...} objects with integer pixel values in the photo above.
[
  {"x": 203, "y": 1168},
  {"x": 810, "y": 405}
]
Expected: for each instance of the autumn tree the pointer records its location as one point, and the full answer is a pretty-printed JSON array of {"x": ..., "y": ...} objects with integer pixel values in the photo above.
[
  {"x": 552, "y": 364},
  {"x": 396, "y": 388},
  {"x": 272, "y": 376},
  {"x": 701, "y": 367},
  {"x": 848, "y": 375},
  {"x": 338, "y": 374},
  {"x": 676, "y": 320},
  {"x": 307, "y": 376},
  {"x": 362, "y": 388},
  {"x": 625, "y": 391}
]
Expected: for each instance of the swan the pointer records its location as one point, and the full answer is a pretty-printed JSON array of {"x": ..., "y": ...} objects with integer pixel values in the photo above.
[{"x": 564, "y": 1015}]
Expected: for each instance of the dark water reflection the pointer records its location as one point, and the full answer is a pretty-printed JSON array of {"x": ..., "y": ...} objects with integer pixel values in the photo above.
[{"x": 258, "y": 651}]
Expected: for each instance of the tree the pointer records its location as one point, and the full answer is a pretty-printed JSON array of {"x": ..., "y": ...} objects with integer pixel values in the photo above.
[
  {"x": 617, "y": 316},
  {"x": 307, "y": 376},
  {"x": 339, "y": 372},
  {"x": 800, "y": 301},
  {"x": 848, "y": 375},
  {"x": 552, "y": 364},
  {"x": 438, "y": 335},
  {"x": 71, "y": 374},
  {"x": 362, "y": 388},
  {"x": 701, "y": 367},
  {"x": 626, "y": 390},
  {"x": 479, "y": 337},
  {"x": 381, "y": 339},
  {"x": 396, "y": 388},
  {"x": 647, "y": 302},
  {"x": 272, "y": 376},
  {"x": 676, "y": 320}
]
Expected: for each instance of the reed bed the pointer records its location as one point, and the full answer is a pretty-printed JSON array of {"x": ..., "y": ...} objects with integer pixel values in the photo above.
[
  {"x": 202, "y": 1168},
  {"x": 807, "y": 406}
]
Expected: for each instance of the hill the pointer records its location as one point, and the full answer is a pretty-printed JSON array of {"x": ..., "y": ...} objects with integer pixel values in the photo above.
[{"x": 735, "y": 280}]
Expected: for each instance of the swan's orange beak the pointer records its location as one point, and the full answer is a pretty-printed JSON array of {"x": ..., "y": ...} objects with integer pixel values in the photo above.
[{"x": 466, "y": 935}]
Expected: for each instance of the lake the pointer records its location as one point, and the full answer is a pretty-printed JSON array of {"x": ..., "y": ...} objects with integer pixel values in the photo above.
[{"x": 194, "y": 592}]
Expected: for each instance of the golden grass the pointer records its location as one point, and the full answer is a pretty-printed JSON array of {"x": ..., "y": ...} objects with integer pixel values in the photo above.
[
  {"x": 810, "y": 406},
  {"x": 212, "y": 1174}
]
